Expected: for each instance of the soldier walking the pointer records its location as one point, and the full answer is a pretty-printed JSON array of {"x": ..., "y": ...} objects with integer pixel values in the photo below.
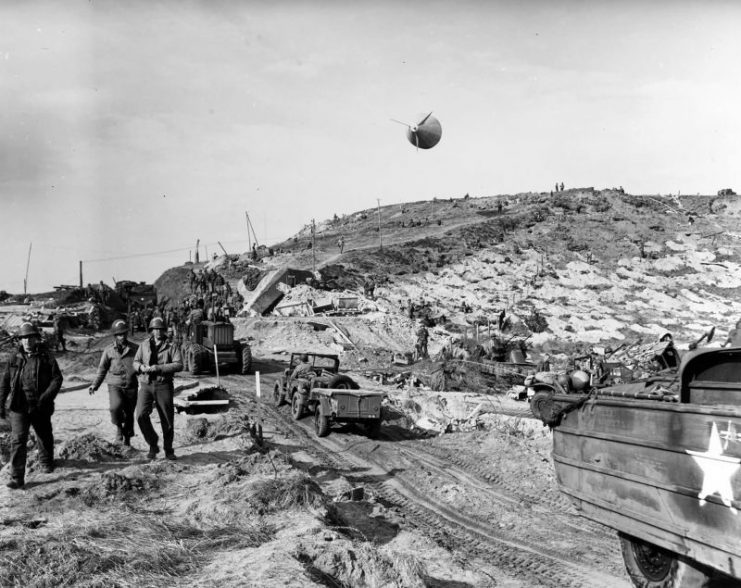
[
  {"x": 59, "y": 340},
  {"x": 156, "y": 361},
  {"x": 117, "y": 361},
  {"x": 29, "y": 384}
]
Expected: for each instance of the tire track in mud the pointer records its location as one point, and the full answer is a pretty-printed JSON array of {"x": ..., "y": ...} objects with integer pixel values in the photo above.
[
  {"x": 539, "y": 566},
  {"x": 551, "y": 498},
  {"x": 600, "y": 542}
]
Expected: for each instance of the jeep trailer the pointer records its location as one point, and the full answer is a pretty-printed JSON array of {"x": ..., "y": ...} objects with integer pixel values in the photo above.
[
  {"x": 326, "y": 393},
  {"x": 358, "y": 406}
]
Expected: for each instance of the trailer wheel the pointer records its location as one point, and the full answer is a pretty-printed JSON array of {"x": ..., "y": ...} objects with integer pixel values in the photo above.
[
  {"x": 277, "y": 394},
  {"x": 246, "y": 359},
  {"x": 650, "y": 566},
  {"x": 321, "y": 422},
  {"x": 297, "y": 406},
  {"x": 342, "y": 382}
]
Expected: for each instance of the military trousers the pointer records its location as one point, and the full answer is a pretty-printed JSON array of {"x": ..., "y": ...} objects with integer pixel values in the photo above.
[
  {"x": 20, "y": 426},
  {"x": 122, "y": 403},
  {"x": 157, "y": 395}
]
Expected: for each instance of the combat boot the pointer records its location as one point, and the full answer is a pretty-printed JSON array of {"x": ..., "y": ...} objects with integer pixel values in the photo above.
[
  {"x": 15, "y": 484},
  {"x": 119, "y": 434}
]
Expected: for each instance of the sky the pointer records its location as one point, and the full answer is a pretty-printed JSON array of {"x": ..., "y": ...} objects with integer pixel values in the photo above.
[{"x": 128, "y": 130}]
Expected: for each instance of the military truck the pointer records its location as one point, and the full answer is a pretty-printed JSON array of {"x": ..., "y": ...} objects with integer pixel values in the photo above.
[
  {"x": 212, "y": 343},
  {"x": 329, "y": 395},
  {"x": 658, "y": 460}
]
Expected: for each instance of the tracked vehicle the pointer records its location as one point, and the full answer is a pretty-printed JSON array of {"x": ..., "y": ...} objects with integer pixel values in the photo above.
[{"x": 213, "y": 343}]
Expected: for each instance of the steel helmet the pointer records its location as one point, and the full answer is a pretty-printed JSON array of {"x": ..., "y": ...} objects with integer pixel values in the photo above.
[
  {"x": 119, "y": 328},
  {"x": 28, "y": 330},
  {"x": 156, "y": 323}
]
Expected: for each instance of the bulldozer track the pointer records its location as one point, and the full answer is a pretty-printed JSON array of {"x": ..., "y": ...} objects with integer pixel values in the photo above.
[{"x": 539, "y": 565}]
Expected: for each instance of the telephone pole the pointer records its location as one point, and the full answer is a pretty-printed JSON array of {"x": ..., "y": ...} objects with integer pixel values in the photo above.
[
  {"x": 28, "y": 263},
  {"x": 313, "y": 245},
  {"x": 380, "y": 238}
]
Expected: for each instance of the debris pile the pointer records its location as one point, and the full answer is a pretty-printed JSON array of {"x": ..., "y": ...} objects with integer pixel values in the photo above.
[
  {"x": 92, "y": 448},
  {"x": 117, "y": 485}
]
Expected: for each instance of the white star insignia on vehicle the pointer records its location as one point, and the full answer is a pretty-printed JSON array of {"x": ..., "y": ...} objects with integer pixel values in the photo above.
[{"x": 718, "y": 469}]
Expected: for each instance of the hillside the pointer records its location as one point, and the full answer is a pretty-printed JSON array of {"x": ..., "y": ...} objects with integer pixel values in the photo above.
[
  {"x": 599, "y": 266},
  {"x": 579, "y": 268}
]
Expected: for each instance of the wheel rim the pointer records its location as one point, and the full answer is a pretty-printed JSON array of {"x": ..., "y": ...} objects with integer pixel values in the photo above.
[
  {"x": 654, "y": 563},
  {"x": 295, "y": 406}
]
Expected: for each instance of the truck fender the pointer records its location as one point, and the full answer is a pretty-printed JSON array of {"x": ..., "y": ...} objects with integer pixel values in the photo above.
[{"x": 323, "y": 404}]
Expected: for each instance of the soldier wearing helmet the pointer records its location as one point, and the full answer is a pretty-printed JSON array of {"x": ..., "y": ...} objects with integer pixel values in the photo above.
[
  {"x": 303, "y": 368},
  {"x": 117, "y": 361},
  {"x": 156, "y": 361},
  {"x": 28, "y": 386}
]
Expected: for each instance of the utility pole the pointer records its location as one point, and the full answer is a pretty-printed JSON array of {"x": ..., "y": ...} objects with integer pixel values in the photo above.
[
  {"x": 28, "y": 263},
  {"x": 80, "y": 273},
  {"x": 198, "y": 244},
  {"x": 380, "y": 238},
  {"x": 313, "y": 245},
  {"x": 249, "y": 233},
  {"x": 250, "y": 228}
]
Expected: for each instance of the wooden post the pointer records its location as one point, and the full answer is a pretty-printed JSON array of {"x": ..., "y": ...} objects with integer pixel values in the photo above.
[{"x": 258, "y": 429}]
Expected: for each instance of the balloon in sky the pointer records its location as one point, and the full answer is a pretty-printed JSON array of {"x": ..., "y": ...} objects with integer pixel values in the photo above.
[{"x": 426, "y": 133}]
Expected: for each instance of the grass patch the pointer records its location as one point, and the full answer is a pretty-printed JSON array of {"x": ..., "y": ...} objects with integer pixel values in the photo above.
[
  {"x": 293, "y": 491},
  {"x": 126, "y": 550}
]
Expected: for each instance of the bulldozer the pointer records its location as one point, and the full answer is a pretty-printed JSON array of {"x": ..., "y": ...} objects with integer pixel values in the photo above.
[{"x": 212, "y": 344}]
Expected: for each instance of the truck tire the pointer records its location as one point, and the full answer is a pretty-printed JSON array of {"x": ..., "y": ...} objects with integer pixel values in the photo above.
[
  {"x": 195, "y": 361},
  {"x": 650, "y": 566},
  {"x": 297, "y": 406},
  {"x": 246, "y": 366},
  {"x": 373, "y": 428},
  {"x": 342, "y": 382},
  {"x": 278, "y": 394},
  {"x": 541, "y": 405},
  {"x": 321, "y": 422},
  {"x": 237, "y": 347}
]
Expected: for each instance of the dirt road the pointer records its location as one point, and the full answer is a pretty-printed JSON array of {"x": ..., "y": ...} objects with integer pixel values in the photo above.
[
  {"x": 488, "y": 495},
  {"x": 472, "y": 509}
]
